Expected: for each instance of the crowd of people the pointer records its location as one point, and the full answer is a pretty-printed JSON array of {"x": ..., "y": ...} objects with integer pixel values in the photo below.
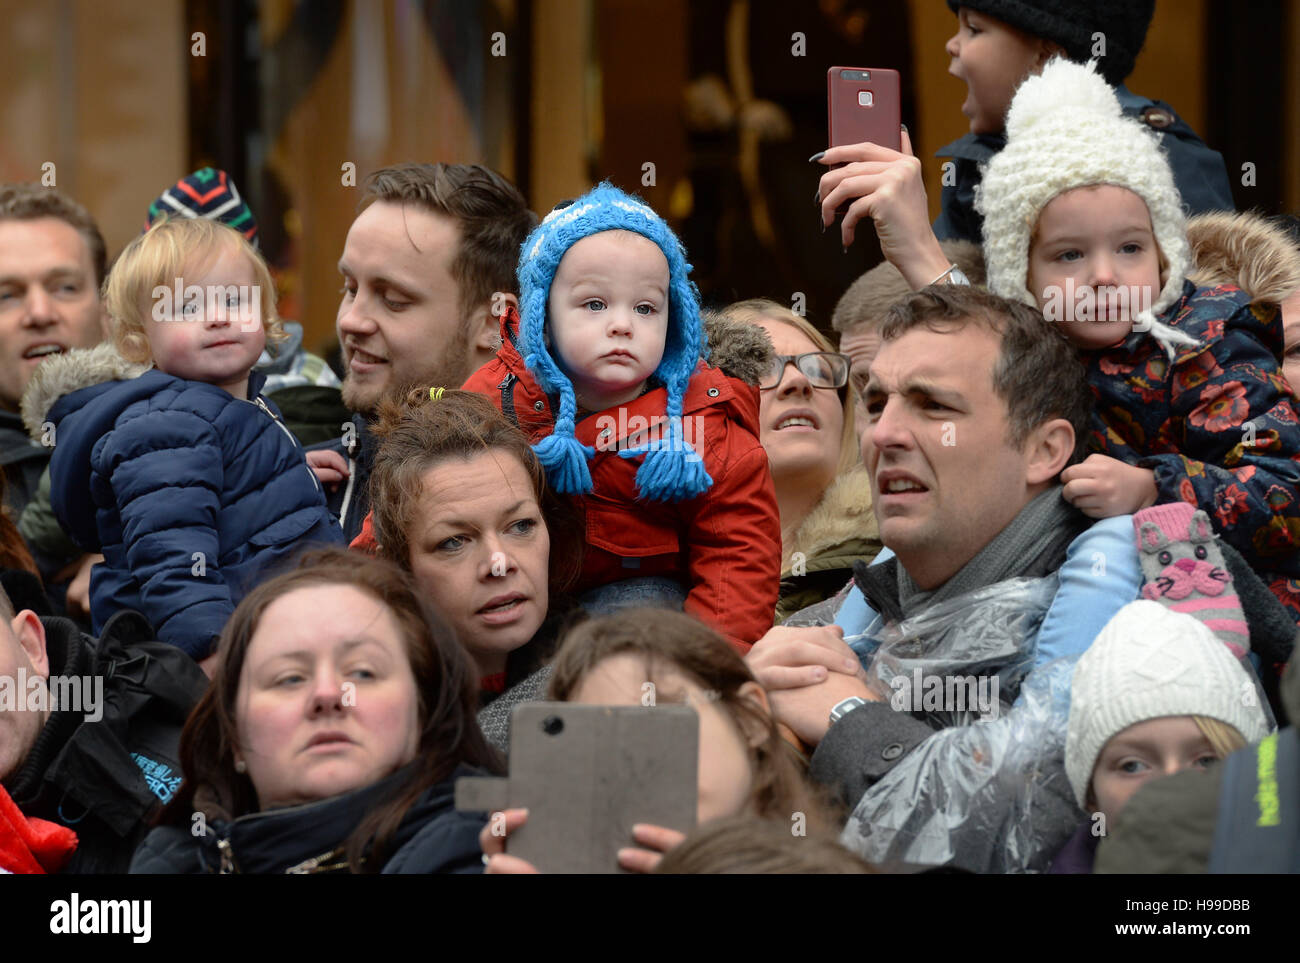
[{"x": 1009, "y": 582}]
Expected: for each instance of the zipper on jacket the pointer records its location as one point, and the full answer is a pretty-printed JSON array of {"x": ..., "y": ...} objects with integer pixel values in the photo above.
[
  {"x": 283, "y": 427},
  {"x": 227, "y": 857},
  {"x": 508, "y": 398},
  {"x": 347, "y": 492},
  {"x": 320, "y": 864}
]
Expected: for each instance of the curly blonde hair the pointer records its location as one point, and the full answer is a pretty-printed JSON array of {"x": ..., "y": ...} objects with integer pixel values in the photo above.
[{"x": 159, "y": 258}]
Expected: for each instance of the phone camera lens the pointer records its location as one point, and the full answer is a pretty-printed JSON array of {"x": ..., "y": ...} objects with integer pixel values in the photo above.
[{"x": 552, "y": 725}]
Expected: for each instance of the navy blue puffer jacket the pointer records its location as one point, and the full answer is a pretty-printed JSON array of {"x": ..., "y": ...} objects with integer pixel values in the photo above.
[{"x": 191, "y": 495}]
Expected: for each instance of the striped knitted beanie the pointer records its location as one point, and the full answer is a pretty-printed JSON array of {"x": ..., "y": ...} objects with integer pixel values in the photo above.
[
  {"x": 1065, "y": 129},
  {"x": 672, "y": 470},
  {"x": 206, "y": 193}
]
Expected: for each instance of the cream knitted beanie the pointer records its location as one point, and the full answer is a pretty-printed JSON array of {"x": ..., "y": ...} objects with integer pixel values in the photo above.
[
  {"x": 1065, "y": 129},
  {"x": 1150, "y": 662}
]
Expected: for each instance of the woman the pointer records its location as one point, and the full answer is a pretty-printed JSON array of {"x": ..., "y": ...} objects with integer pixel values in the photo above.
[
  {"x": 459, "y": 500},
  {"x": 745, "y": 767},
  {"x": 340, "y": 715},
  {"x": 806, "y": 417}
]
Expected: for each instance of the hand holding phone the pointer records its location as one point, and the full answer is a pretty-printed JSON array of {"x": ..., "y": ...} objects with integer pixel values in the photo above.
[
  {"x": 586, "y": 776},
  {"x": 873, "y": 173}
]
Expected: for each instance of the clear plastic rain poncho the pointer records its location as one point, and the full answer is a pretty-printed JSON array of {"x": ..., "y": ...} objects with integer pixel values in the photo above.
[{"x": 988, "y": 791}]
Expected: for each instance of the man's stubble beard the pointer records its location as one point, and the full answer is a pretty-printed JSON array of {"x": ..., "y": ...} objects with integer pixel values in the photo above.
[{"x": 448, "y": 370}]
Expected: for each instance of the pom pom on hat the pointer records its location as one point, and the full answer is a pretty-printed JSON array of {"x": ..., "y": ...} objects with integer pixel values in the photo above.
[
  {"x": 672, "y": 471},
  {"x": 1065, "y": 129},
  {"x": 1150, "y": 662},
  {"x": 1041, "y": 98}
]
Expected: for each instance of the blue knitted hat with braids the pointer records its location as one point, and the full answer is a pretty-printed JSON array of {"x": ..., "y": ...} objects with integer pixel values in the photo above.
[{"x": 672, "y": 470}]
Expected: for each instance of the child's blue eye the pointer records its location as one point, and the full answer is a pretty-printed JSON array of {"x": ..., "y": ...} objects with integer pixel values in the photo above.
[
  {"x": 1069, "y": 256},
  {"x": 645, "y": 309},
  {"x": 595, "y": 304},
  {"x": 1133, "y": 248}
]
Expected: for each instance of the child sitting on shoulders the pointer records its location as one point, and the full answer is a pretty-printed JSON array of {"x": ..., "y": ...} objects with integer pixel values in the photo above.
[
  {"x": 604, "y": 368},
  {"x": 1082, "y": 219},
  {"x": 168, "y": 459}
]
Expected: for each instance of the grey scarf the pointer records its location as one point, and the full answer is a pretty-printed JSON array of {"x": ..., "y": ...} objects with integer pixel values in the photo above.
[{"x": 1032, "y": 545}]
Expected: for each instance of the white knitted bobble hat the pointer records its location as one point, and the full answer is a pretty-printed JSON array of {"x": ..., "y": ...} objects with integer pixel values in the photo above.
[
  {"x": 1150, "y": 662},
  {"x": 1065, "y": 129}
]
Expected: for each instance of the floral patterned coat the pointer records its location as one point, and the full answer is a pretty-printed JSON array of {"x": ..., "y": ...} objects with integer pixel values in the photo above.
[{"x": 1217, "y": 424}]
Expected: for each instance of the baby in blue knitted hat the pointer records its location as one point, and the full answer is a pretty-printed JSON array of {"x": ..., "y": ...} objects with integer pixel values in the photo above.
[{"x": 605, "y": 367}]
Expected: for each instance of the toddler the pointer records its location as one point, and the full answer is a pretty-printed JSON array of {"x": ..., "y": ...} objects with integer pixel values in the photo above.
[
  {"x": 604, "y": 368},
  {"x": 168, "y": 459},
  {"x": 1157, "y": 692},
  {"x": 1083, "y": 220}
]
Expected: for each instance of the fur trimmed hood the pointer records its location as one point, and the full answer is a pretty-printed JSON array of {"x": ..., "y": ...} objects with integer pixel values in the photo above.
[
  {"x": 1246, "y": 250},
  {"x": 63, "y": 374},
  {"x": 739, "y": 349},
  {"x": 842, "y": 516}
]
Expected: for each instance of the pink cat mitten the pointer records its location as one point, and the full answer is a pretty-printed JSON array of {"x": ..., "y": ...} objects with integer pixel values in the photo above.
[{"x": 1184, "y": 570}]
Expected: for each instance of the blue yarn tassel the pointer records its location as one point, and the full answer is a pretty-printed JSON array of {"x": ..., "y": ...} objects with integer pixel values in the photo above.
[
  {"x": 673, "y": 471},
  {"x": 565, "y": 461}
]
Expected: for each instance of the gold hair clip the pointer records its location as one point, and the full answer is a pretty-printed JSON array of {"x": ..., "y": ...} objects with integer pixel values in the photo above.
[{"x": 435, "y": 394}]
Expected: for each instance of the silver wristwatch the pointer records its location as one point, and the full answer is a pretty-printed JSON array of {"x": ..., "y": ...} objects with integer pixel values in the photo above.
[
  {"x": 844, "y": 707},
  {"x": 958, "y": 276}
]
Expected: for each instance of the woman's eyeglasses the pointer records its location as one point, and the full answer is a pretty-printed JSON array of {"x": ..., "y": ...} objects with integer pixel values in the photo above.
[{"x": 823, "y": 369}]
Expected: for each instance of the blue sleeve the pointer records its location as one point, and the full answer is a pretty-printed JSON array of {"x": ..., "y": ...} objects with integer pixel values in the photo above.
[
  {"x": 1101, "y": 575},
  {"x": 855, "y": 614},
  {"x": 166, "y": 469}
]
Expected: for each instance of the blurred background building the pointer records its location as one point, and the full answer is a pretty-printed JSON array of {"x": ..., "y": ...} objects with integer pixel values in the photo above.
[{"x": 709, "y": 109}]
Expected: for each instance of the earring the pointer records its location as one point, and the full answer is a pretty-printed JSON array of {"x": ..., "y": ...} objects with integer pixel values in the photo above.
[{"x": 241, "y": 766}]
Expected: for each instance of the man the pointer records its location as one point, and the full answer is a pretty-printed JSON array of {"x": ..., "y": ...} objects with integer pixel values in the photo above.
[
  {"x": 52, "y": 263},
  {"x": 964, "y": 436},
  {"x": 90, "y": 733},
  {"x": 863, "y": 306},
  {"x": 428, "y": 271}
]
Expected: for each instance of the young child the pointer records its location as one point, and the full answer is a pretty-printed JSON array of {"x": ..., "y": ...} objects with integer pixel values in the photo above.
[
  {"x": 168, "y": 459},
  {"x": 1157, "y": 692},
  {"x": 604, "y": 368},
  {"x": 1000, "y": 42},
  {"x": 1082, "y": 219}
]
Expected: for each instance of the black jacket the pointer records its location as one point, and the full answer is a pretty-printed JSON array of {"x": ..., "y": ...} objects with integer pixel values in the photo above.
[
  {"x": 106, "y": 779},
  {"x": 432, "y": 838},
  {"x": 23, "y": 461},
  {"x": 1199, "y": 172},
  {"x": 350, "y": 500}
]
